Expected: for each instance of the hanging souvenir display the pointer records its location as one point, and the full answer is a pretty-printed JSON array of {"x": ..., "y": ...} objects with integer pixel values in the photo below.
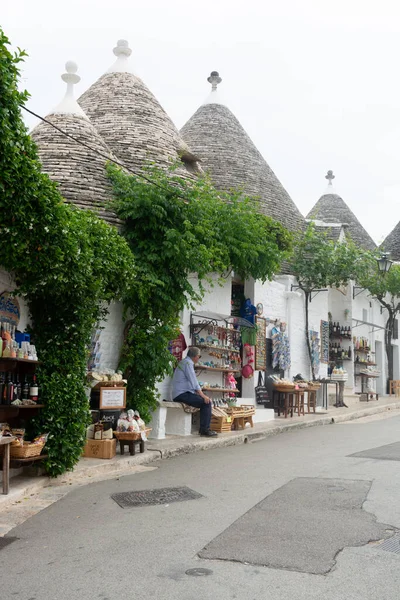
[
  {"x": 315, "y": 350},
  {"x": 261, "y": 345},
  {"x": 248, "y": 310},
  {"x": 178, "y": 346},
  {"x": 280, "y": 350},
  {"x": 325, "y": 341}
]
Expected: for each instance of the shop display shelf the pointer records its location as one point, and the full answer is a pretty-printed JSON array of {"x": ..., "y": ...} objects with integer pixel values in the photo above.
[
  {"x": 221, "y": 348},
  {"x": 365, "y": 364},
  {"x": 211, "y": 389},
  {"x": 216, "y": 369}
]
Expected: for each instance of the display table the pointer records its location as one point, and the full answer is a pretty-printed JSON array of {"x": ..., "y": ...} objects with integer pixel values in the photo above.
[{"x": 6, "y": 442}]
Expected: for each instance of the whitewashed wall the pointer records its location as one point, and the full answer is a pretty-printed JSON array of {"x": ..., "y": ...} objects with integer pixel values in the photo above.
[
  {"x": 217, "y": 299},
  {"x": 111, "y": 337}
]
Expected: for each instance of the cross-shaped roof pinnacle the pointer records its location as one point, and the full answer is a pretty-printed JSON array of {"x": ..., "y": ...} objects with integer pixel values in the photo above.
[{"x": 330, "y": 177}]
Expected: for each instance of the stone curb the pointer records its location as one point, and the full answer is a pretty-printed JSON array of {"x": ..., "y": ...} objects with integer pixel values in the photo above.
[{"x": 124, "y": 467}]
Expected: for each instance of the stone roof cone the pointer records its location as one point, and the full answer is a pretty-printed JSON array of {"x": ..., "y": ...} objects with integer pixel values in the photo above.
[
  {"x": 131, "y": 120},
  {"x": 79, "y": 171},
  {"x": 232, "y": 160},
  {"x": 331, "y": 208},
  {"x": 392, "y": 243}
]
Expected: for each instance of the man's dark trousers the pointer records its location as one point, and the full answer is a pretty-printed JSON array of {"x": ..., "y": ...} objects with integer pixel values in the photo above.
[{"x": 198, "y": 402}]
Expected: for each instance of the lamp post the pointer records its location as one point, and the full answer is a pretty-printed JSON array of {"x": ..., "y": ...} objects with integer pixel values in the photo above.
[{"x": 384, "y": 262}]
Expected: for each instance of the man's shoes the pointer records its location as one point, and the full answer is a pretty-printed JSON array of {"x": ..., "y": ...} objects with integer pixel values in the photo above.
[{"x": 208, "y": 433}]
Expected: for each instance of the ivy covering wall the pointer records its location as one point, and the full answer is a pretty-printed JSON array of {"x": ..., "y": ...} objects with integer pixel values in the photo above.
[{"x": 66, "y": 262}]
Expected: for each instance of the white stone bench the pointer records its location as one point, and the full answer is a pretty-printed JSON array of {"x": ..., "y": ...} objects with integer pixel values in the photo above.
[{"x": 170, "y": 419}]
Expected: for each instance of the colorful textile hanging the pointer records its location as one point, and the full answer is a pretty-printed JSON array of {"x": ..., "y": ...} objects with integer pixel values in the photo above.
[{"x": 280, "y": 350}]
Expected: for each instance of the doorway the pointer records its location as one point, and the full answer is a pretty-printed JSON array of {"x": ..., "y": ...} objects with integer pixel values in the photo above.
[
  {"x": 379, "y": 359},
  {"x": 396, "y": 365}
]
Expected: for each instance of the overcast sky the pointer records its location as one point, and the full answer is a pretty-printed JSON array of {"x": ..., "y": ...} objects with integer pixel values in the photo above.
[{"x": 315, "y": 84}]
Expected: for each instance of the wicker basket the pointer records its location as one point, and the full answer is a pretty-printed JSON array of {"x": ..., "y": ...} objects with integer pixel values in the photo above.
[
  {"x": 101, "y": 384},
  {"x": 283, "y": 388},
  {"x": 28, "y": 450},
  {"x": 131, "y": 436}
]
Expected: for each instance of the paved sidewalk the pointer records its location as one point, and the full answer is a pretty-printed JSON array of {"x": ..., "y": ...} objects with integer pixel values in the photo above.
[{"x": 29, "y": 495}]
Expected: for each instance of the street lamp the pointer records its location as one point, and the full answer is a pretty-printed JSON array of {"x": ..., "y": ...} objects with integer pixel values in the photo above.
[{"x": 384, "y": 263}]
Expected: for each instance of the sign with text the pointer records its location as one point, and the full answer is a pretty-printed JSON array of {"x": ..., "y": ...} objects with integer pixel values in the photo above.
[
  {"x": 112, "y": 398},
  {"x": 261, "y": 345}
]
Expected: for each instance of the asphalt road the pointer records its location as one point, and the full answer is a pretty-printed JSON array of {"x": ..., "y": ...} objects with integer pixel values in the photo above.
[{"x": 298, "y": 503}]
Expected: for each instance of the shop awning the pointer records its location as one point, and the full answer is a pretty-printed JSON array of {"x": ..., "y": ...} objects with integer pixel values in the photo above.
[{"x": 213, "y": 317}]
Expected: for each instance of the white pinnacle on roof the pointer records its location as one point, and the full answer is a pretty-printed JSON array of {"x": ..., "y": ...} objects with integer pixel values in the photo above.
[
  {"x": 122, "y": 64},
  {"x": 330, "y": 188},
  {"x": 68, "y": 105},
  {"x": 215, "y": 96}
]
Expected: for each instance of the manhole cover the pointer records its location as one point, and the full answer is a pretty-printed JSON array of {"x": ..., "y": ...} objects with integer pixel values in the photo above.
[
  {"x": 198, "y": 572},
  {"x": 5, "y": 541},
  {"x": 153, "y": 497},
  {"x": 391, "y": 545}
]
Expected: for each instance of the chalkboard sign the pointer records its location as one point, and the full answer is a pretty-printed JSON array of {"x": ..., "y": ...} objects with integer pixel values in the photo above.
[
  {"x": 261, "y": 344},
  {"x": 324, "y": 341},
  {"x": 112, "y": 398}
]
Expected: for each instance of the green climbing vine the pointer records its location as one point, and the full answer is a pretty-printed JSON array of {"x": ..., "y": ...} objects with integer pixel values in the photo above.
[
  {"x": 67, "y": 263},
  {"x": 177, "y": 228}
]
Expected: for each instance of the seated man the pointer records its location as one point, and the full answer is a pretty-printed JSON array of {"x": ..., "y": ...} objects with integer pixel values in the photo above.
[{"x": 186, "y": 389}]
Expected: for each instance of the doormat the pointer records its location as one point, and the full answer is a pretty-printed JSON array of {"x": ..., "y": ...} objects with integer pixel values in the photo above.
[
  {"x": 6, "y": 541},
  {"x": 389, "y": 452},
  {"x": 154, "y": 497},
  {"x": 300, "y": 527}
]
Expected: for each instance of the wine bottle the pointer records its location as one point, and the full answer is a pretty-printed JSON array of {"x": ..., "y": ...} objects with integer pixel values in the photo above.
[
  {"x": 17, "y": 389},
  {"x": 10, "y": 390},
  {"x": 25, "y": 389},
  {"x": 34, "y": 390},
  {"x": 2, "y": 385},
  {"x": 349, "y": 352}
]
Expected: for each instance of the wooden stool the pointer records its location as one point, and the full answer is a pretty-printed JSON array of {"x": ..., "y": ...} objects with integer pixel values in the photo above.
[
  {"x": 394, "y": 387},
  {"x": 312, "y": 400},
  {"x": 5, "y": 442},
  {"x": 240, "y": 422},
  {"x": 299, "y": 401},
  {"x": 284, "y": 402},
  {"x": 131, "y": 446}
]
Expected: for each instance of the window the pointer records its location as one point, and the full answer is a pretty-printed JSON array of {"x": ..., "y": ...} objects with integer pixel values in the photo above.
[{"x": 396, "y": 329}]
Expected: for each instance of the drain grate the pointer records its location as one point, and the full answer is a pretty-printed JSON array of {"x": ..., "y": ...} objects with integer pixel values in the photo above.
[
  {"x": 391, "y": 545},
  {"x": 154, "y": 497},
  {"x": 5, "y": 541}
]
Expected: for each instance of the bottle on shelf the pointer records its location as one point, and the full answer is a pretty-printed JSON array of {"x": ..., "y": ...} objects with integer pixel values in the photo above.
[
  {"x": 9, "y": 389},
  {"x": 34, "y": 390},
  {"x": 25, "y": 389},
  {"x": 17, "y": 388},
  {"x": 2, "y": 386}
]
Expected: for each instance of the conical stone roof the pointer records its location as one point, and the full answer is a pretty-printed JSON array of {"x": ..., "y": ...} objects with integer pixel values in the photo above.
[
  {"x": 131, "y": 120},
  {"x": 392, "y": 243},
  {"x": 331, "y": 208},
  {"x": 229, "y": 156},
  {"x": 80, "y": 172}
]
